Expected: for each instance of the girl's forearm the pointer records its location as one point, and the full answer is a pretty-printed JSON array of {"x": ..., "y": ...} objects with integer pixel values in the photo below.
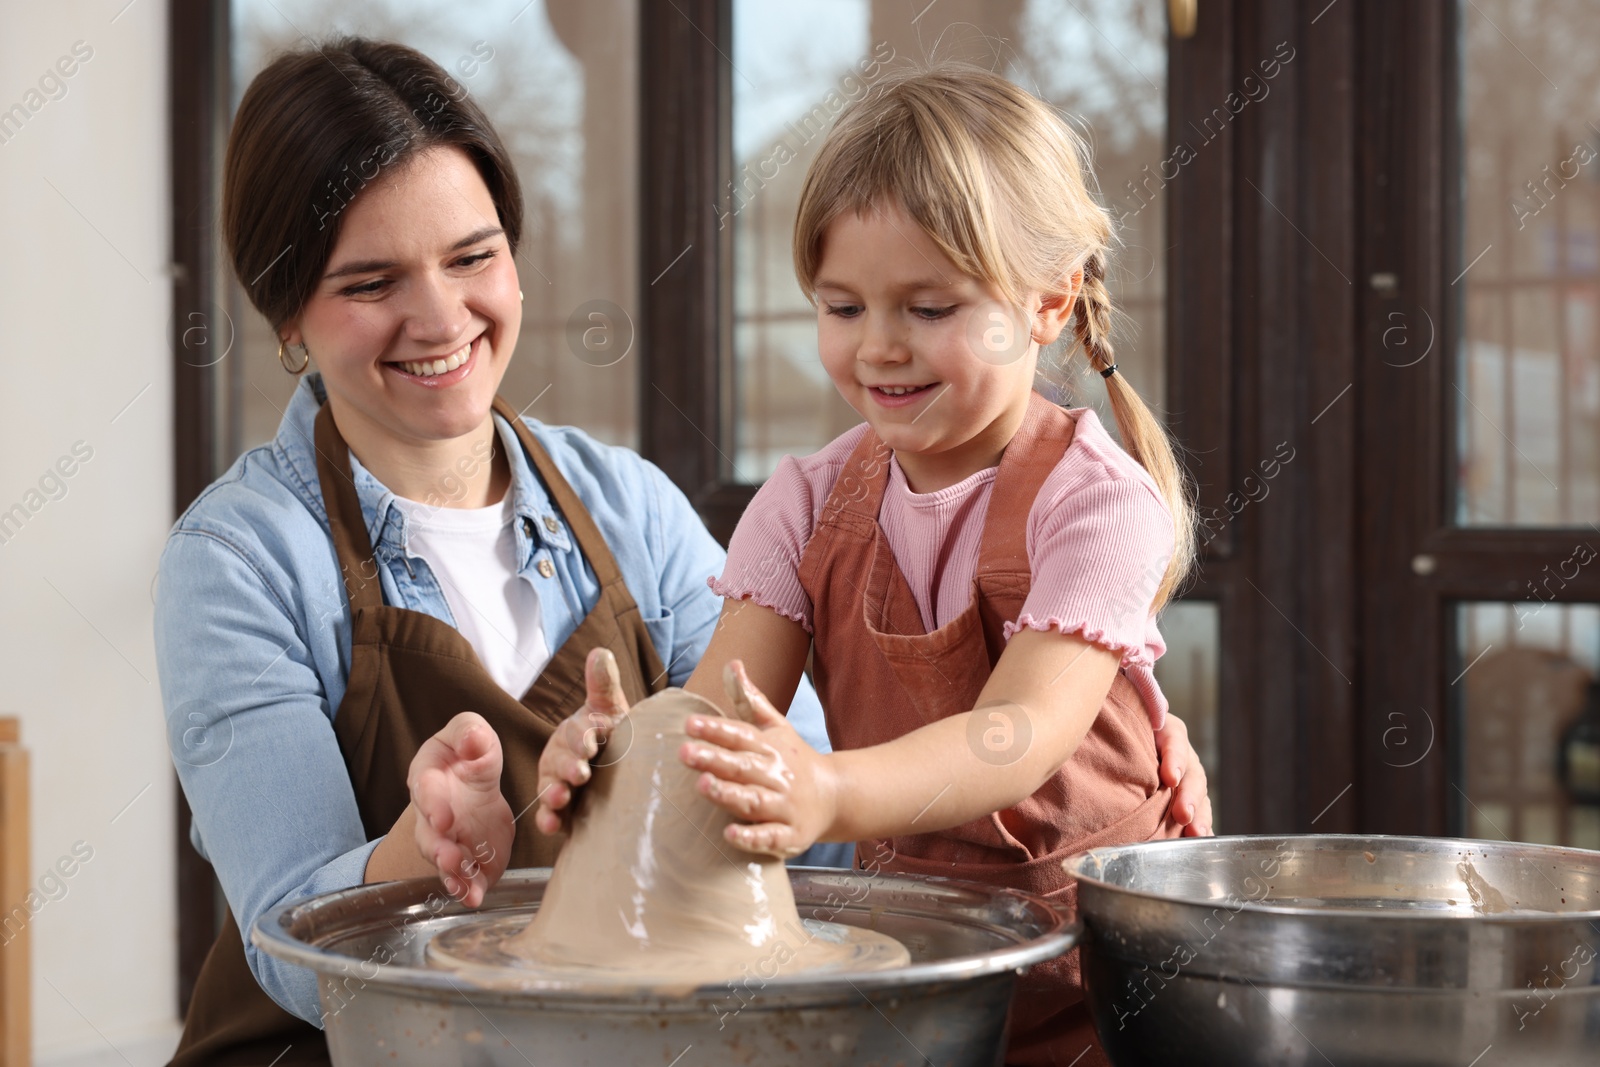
[
  {"x": 932, "y": 779},
  {"x": 981, "y": 761}
]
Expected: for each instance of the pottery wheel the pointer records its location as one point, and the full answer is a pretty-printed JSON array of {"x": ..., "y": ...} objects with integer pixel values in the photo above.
[{"x": 648, "y": 891}]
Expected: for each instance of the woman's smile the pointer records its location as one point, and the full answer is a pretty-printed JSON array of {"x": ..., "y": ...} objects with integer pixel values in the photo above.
[{"x": 440, "y": 372}]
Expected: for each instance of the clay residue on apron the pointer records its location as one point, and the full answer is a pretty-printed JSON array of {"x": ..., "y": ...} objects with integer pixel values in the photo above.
[{"x": 647, "y": 889}]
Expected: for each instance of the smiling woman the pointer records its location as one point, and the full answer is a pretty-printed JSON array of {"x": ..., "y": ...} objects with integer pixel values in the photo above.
[
  {"x": 405, "y": 549},
  {"x": 412, "y": 288},
  {"x": 413, "y": 324}
]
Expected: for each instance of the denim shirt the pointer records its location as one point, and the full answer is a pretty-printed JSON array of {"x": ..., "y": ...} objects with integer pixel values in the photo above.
[{"x": 252, "y": 634}]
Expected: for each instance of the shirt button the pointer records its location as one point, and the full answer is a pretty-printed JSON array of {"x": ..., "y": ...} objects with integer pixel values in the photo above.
[
  {"x": 551, "y": 524},
  {"x": 546, "y": 568},
  {"x": 527, "y": 527}
]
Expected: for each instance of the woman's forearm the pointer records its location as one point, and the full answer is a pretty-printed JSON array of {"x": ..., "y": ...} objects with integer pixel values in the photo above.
[{"x": 396, "y": 856}]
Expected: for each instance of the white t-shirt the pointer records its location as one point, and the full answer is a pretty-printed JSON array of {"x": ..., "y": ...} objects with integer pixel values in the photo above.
[{"x": 472, "y": 552}]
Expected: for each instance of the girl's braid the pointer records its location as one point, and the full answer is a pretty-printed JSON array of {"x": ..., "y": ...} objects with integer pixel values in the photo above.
[{"x": 1092, "y": 316}]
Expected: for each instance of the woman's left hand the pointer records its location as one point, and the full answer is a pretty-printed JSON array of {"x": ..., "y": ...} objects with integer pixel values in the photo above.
[
  {"x": 1181, "y": 769},
  {"x": 760, "y": 770}
]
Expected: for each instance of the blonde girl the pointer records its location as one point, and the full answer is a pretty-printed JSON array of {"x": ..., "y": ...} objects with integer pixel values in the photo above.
[{"x": 975, "y": 571}]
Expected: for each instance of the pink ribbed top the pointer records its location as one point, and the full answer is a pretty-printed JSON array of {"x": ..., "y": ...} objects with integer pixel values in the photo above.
[{"x": 1099, "y": 537}]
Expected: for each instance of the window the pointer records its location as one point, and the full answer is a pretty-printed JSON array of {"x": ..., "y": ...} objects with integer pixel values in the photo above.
[
  {"x": 559, "y": 81},
  {"x": 1526, "y": 405}
]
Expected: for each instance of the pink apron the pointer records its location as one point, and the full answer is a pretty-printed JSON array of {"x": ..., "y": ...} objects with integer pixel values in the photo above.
[{"x": 880, "y": 676}]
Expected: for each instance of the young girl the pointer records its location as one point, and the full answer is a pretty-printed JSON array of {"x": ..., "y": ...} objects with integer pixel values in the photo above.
[{"x": 975, "y": 571}]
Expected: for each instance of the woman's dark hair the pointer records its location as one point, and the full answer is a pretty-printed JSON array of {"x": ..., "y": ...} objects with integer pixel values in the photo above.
[{"x": 314, "y": 128}]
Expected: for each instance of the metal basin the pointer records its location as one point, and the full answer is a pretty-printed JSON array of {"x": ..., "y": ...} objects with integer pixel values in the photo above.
[
  {"x": 1342, "y": 950},
  {"x": 383, "y": 1005}
]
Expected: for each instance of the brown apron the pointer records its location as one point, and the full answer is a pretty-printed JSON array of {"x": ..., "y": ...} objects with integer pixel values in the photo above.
[
  {"x": 880, "y": 676},
  {"x": 410, "y": 673}
]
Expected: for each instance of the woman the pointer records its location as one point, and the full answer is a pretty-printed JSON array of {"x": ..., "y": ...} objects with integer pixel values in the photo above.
[{"x": 372, "y": 214}]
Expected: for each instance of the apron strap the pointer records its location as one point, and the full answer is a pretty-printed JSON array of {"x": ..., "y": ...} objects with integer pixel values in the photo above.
[
  {"x": 1032, "y": 454},
  {"x": 856, "y": 497},
  {"x": 584, "y": 531},
  {"x": 346, "y": 524},
  {"x": 615, "y": 620}
]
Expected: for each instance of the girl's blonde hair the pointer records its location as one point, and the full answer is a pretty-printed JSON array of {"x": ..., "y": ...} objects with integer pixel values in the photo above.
[{"x": 997, "y": 179}]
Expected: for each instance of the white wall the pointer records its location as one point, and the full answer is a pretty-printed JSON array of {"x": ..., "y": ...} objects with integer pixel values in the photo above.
[{"x": 85, "y": 304}]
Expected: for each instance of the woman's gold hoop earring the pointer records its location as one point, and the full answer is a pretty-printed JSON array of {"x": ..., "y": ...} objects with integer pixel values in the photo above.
[{"x": 304, "y": 363}]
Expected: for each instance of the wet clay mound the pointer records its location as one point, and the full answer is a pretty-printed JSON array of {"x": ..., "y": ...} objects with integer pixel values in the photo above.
[{"x": 648, "y": 890}]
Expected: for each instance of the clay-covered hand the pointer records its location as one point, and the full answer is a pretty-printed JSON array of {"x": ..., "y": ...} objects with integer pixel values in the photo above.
[
  {"x": 464, "y": 825},
  {"x": 564, "y": 764},
  {"x": 1181, "y": 768},
  {"x": 761, "y": 771}
]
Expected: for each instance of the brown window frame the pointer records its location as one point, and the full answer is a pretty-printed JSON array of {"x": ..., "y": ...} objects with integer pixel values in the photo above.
[
  {"x": 685, "y": 315},
  {"x": 197, "y": 93},
  {"x": 1410, "y": 110}
]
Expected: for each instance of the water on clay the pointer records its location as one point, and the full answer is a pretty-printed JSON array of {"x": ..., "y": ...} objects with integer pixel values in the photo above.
[{"x": 647, "y": 891}]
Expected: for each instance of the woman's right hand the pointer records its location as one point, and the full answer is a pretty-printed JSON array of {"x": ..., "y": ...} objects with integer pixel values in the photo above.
[
  {"x": 564, "y": 764},
  {"x": 464, "y": 824}
]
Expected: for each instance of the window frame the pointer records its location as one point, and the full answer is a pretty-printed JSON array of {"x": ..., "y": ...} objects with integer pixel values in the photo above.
[
  {"x": 197, "y": 102},
  {"x": 1411, "y": 116}
]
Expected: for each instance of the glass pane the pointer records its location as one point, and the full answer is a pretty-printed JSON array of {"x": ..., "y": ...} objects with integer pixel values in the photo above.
[
  {"x": 559, "y": 79},
  {"x": 1528, "y": 721},
  {"x": 1102, "y": 62},
  {"x": 1528, "y": 399},
  {"x": 1188, "y": 674}
]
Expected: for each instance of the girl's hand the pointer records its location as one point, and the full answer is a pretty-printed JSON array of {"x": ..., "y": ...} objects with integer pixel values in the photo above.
[
  {"x": 464, "y": 825},
  {"x": 760, "y": 770},
  {"x": 564, "y": 764},
  {"x": 1181, "y": 769}
]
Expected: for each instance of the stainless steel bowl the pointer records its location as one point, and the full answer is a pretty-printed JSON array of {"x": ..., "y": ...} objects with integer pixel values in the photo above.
[
  {"x": 384, "y": 1005},
  {"x": 1342, "y": 950}
]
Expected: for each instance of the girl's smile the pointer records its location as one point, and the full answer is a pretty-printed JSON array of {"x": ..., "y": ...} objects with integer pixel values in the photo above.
[{"x": 894, "y": 396}]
